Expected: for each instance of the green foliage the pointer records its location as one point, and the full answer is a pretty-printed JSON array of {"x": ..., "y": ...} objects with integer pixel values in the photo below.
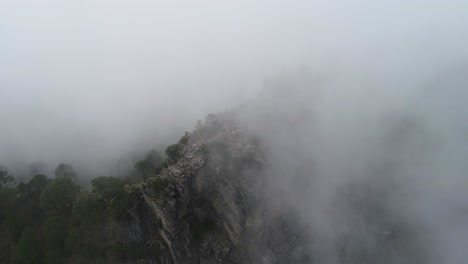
[
  {"x": 7, "y": 202},
  {"x": 89, "y": 209},
  {"x": 19, "y": 207},
  {"x": 151, "y": 165},
  {"x": 83, "y": 236},
  {"x": 55, "y": 230},
  {"x": 107, "y": 187},
  {"x": 8, "y": 250},
  {"x": 59, "y": 196},
  {"x": 52, "y": 221},
  {"x": 89, "y": 236},
  {"x": 31, "y": 191},
  {"x": 158, "y": 185},
  {"x": 172, "y": 152},
  {"x": 30, "y": 248},
  {"x": 112, "y": 191},
  {"x": 6, "y": 180},
  {"x": 185, "y": 139},
  {"x": 121, "y": 202},
  {"x": 38, "y": 183},
  {"x": 73, "y": 239},
  {"x": 87, "y": 242},
  {"x": 86, "y": 245},
  {"x": 65, "y": 171},
  {"x": 142, "y": 166}
]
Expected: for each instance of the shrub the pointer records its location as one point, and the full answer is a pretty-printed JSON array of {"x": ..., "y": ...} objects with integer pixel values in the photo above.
[
  {"x": 185, "y": 139},
  {"x": 159, "y": 184},
  {"x": 151, "y": 165},
  {"x": 172, "y": 152}
]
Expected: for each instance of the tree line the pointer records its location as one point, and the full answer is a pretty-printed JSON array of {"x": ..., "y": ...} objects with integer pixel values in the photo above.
[{"x": 55, "y": 220}]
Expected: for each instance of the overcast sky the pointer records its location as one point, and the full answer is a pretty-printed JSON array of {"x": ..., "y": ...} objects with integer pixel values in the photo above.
[{"x": 87, "y": 81}]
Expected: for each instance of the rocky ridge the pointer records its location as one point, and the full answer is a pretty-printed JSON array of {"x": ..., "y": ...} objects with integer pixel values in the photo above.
[{"x": 207, "y": 207}]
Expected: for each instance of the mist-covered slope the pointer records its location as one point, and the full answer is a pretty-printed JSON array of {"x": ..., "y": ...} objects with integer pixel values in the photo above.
[
  {"x": 287, "y": 178},
  {"x": 250, "y": 186},
  {"x": 213, "y": 209}
]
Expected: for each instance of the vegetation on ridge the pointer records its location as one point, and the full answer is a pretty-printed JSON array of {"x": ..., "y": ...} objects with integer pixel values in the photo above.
[{"x": 56, "y": 220}]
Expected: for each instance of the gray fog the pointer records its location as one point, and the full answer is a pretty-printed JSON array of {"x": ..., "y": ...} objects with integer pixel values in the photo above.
[
  {"x": 85, "y": 82},
  {"x": 368, "y": 93}
]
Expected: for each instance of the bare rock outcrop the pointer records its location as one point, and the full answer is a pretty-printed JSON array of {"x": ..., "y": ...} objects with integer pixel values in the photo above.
[{"x": 207, "y": 206}]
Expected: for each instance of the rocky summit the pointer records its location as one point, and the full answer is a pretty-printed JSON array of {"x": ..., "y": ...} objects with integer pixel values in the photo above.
[
  {"x": 207, "y": 207},
  {"x": 266, "y": 183}
]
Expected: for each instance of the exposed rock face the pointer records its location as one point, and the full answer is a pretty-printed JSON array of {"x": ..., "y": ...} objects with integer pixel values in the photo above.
[
  {"x": 207, "y": 207},
  {"x": 215, "y": 201}
]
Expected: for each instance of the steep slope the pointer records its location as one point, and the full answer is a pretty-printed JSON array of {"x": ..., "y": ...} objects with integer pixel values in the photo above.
[
  {"x": 207, "y": 206},
  {"x": 272, "y": 183}
]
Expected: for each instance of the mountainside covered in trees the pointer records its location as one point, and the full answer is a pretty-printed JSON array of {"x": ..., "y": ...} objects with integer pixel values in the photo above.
[
  {"x": 242, "y": 188},
  {"x": 199, "y": 204}
]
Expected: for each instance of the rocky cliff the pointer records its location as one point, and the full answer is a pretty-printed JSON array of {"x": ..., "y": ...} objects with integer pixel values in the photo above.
[
  {"x": 207, "y": 205},
  {"x": 263, "y": 184}
]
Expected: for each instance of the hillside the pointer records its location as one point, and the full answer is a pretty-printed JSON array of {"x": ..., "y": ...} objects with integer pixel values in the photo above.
[{"x": 246, "y": 186}]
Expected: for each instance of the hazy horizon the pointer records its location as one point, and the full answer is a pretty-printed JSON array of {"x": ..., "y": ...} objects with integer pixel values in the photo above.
[
  {"x": 371, "y": 95},
  {"x": 85, "y": 82}
]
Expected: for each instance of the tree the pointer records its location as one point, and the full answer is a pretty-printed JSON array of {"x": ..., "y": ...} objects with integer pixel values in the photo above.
[
  {"x": 10, "y": 216},
  {"x": 6, "y": 180},
  {"x": 59, "y": 196},
  {"x": 37, "y": 167},
  {"x": 30, "y": 248},
  {"x": 24, "y": 208},
  {"x": 89, "y": 209},
  {"x": 7, "y": 200},
  {"x": 55, "y": 230},
  {"x": 120, "y": 203},
  {"x": 172, "y": 152},
  {"x": 107, "y": 187},
  {"x": 112, "y": 192},
  {"x": 88, "y": 238},
  {"x": 151, "y": 165},
  {"x": 65, "y": 171},
  {"x": 38, "y": 184}
]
